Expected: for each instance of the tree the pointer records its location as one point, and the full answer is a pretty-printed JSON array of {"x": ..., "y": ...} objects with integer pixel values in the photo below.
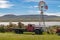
[
  {"x": 2, "y": 28},
  {"x": 20, "y": 25},
  {"x": 9, "y": 27}
]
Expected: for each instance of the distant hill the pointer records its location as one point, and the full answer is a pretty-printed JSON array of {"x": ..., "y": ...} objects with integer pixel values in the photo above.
[{"x": 26, "y": 18}]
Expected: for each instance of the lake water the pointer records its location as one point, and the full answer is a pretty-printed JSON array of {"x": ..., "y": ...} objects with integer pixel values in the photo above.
[{"x": 36, "y": 23}]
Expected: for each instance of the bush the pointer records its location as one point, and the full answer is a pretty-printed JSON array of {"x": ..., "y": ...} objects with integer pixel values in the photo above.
[{"x": 2, "y": 29}]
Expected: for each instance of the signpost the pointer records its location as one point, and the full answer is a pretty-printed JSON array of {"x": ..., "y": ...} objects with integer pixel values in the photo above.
[{"x": 42, "y": 7}]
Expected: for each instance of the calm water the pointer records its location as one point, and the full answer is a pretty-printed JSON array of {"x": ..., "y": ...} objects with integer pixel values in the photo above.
[{"x": 36, "y": 23}]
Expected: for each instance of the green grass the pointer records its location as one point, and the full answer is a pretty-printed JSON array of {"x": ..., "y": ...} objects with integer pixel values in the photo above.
[{"x": 13, "y": 36}]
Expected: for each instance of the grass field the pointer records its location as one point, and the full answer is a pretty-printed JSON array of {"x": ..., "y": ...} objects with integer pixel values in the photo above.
[{"x": 13, "y": 36}]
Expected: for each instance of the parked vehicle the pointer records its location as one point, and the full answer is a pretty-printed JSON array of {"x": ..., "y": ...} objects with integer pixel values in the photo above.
[
  {"x": 58, "y": 31},
  {"x": 30, "y": 28}
]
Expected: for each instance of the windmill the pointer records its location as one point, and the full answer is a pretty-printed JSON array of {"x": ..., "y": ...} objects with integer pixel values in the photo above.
[{"x": 42, "y": 7}]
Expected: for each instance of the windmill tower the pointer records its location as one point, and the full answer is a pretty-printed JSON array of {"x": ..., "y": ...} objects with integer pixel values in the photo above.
[{"x": 42, "y": 7}]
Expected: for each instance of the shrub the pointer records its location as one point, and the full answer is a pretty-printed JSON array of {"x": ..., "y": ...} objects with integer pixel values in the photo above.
[{"x": 2, "y": 28}]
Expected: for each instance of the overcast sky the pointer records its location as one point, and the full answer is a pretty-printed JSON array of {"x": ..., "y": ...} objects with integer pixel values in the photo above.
[{"x": 27, "y": 7}]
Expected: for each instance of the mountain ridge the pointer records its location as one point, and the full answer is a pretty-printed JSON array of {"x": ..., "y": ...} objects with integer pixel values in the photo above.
[{"x": 17, "y": 18}]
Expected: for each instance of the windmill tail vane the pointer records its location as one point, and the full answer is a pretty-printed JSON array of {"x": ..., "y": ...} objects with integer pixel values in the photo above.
[{"x": 46, "y": 7}]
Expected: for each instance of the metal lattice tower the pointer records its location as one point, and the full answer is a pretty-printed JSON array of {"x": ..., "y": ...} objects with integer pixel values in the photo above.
[{"x": 42, "y": 7}]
